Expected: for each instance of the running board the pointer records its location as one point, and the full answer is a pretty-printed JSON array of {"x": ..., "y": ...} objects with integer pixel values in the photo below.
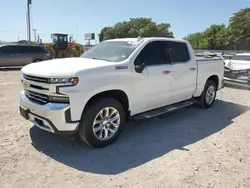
[{"x": 163, "y": 110}]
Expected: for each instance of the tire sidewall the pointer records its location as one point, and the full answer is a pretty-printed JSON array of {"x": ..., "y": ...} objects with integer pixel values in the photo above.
[
  {"x": 86, "y": 123},
  {"x": 208, "y": 84},
  {"x": 37, "y": 60}
]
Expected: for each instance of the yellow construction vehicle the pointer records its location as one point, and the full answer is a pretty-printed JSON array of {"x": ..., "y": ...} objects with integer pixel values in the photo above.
[{"x": 61, "y": 47}]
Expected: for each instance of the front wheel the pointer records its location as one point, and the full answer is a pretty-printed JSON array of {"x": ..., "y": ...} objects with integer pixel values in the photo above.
[
  {"x": 208, "y": 95},
  {"x": 102, "y": 122}
]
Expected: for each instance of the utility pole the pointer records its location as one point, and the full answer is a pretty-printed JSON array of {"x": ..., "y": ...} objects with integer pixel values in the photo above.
[
  {"x": 38, "y": 38},
  {"x": 28, "y": 20},
  {"x": 35, "y": 34}
]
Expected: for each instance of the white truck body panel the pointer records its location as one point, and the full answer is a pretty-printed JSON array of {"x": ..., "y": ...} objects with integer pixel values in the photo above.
[{"x": 207, "y": 68}]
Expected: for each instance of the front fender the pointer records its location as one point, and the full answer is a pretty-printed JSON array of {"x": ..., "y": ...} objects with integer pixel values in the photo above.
[{"x": 80, "y": 97}]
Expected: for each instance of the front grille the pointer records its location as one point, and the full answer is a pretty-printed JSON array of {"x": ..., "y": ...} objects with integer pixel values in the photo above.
[
  {"x": 38, "y": 87},
  {"x": 37, "y": 97},
  {"x": 36, "y": 79}
]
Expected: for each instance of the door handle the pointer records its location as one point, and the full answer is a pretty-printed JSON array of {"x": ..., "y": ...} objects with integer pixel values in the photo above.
[
  {"x": 192, "y": 69},
  {"x": 166, "y": 72}
]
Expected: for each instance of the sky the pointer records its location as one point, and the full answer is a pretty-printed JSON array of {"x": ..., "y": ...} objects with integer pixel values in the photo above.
[{"x": 78, "y": 17}]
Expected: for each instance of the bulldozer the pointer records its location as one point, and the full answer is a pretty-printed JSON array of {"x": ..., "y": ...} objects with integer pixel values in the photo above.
[{"x": 63, "y": 46}]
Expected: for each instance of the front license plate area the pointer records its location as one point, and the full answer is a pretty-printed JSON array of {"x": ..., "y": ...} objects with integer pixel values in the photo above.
[{"x": 24, "y": 113}]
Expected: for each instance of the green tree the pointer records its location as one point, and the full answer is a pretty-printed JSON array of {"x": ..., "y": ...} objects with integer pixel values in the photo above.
[
  {"x": 239, "y": 29},
  {"x": 135, "y": 27},
  {"x": 218, "y": 37}
]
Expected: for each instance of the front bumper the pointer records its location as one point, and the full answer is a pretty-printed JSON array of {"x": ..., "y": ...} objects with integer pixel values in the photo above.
[{"x": 52, "y": 117}]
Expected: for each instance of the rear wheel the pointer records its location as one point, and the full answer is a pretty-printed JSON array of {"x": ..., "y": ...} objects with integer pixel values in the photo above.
[
  {"x": 208, "y": 95},
  {"x": 102, "y": 122},
  {"x": 37, "y": 60}
]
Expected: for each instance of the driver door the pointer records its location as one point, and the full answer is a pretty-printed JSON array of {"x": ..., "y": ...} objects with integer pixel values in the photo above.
[{"x": 151, "y": 83}]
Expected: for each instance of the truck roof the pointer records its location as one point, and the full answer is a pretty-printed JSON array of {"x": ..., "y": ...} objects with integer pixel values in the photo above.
[{"x": 147, "y": 38}]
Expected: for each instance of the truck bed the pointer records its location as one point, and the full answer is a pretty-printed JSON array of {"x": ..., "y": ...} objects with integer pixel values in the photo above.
[{"x": 207, "y": 67}]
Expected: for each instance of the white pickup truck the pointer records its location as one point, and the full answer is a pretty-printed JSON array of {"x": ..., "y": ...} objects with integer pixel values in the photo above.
[{"x": 96, "y": 94}]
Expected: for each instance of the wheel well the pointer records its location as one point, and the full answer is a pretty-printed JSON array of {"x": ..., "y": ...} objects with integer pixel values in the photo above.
[
  {"x": 119, "y": 95},
  {"x": 215, "y": 79},
  {"x": 37, "y": 59}
]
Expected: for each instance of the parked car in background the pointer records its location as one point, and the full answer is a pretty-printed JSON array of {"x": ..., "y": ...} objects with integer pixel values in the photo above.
[
  {"x": 237, "y": 70},
  {"x": 22, "y": 54}
]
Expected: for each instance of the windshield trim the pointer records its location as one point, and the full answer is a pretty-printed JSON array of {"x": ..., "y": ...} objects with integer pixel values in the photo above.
[{"x": 133, "y": 45}]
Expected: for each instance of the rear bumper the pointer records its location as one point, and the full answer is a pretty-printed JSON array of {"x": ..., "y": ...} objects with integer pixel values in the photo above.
[
  {"x": 237, "y": 83},
  {"x": 51, "y": 117}
]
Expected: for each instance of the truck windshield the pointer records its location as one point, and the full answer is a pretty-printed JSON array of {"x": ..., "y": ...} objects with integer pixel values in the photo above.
[
  {"x": 113, "y": 51},
  {"x": 241, "y": 57}
]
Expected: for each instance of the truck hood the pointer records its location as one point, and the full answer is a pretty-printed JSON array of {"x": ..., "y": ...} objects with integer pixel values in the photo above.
[
  {"x": 237, "y": 65},
  {"x": 65, "y": 67}
]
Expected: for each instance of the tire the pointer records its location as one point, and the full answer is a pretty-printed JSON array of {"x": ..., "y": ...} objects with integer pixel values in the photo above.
[
  {"x": 92, "y": 113},
  {"x": 202, "y": 102}
]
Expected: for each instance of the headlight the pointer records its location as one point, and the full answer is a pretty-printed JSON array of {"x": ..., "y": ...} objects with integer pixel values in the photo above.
[{"x": 71, "y": 81}]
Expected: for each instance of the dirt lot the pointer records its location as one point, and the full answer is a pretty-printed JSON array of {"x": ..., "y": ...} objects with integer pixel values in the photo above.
[{"x": 189, "y": 148}]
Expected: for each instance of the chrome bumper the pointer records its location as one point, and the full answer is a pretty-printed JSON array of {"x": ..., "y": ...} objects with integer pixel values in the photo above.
[{"x": 50, "y": 117}]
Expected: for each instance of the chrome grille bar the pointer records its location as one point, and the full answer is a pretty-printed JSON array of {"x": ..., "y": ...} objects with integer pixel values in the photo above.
[
  {"x": 37, "y": 97},
  {"x": 36, "y": 79}
]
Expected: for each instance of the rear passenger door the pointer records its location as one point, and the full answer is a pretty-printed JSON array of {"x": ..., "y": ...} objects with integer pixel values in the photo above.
[
  {"x": 183, "y": 71},
  {"x": 26, "y": 54}
]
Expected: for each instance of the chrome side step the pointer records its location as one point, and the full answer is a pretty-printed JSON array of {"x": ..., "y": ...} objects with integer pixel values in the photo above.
[{"x": 163, "y": 110}]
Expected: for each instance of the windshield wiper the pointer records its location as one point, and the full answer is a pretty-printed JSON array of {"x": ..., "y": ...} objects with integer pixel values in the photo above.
[
  {"x": 99, "y": 59},
  {"x": 96, "y": 58}
]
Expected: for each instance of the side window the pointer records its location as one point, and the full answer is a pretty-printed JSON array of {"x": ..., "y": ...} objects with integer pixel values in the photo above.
[
  {"x": 152, "y": 54},
  {"x": 38, "y": 49},
  {"x": 24, "y": 49},
  {"x": 9, "y": 50},
  {"x": 177, "y": 52},
  {"x": 31, "y": 49}
]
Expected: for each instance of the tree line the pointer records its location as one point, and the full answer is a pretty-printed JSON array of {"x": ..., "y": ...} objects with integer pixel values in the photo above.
[
  {"x": 235, "y": 36},
  {"x": 136, "y": 27}
]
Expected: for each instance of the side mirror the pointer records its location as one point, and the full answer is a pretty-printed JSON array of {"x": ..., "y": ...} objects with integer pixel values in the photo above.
[{"x": 139, "y": 66}]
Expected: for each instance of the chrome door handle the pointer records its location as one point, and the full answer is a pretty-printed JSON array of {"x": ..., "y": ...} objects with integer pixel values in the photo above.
[
  {"x": 192, "y": 69},
  {"x": 166, "y": 72}
]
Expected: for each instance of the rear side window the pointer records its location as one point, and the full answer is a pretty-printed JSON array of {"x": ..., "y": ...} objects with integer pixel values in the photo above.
[
  {"x": 152, "y": 54},
  {"x": 9, "y": 50},
  {"x": 177, "y": 52},
  {"x": 31, "y": 49}
]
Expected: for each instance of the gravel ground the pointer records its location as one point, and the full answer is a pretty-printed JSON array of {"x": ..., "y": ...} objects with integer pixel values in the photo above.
[{"x": 189, "y": 148}]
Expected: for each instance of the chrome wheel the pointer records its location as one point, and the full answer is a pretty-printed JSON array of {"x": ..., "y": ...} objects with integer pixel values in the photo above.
[
  {"x": 210, "y": 94},
  {"x": 106, "y": 123}
]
